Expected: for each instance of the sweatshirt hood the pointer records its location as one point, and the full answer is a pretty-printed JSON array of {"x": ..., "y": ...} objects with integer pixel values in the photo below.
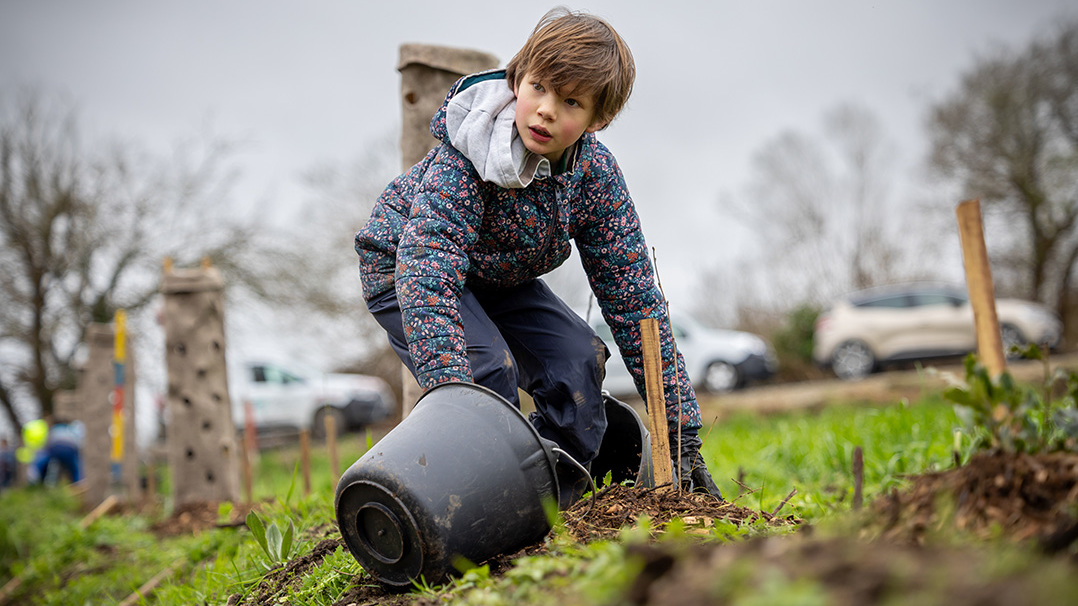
[{"x": 480, "y": 122}]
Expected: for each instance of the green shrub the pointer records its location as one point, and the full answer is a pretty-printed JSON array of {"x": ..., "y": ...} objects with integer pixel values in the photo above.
[
  {"x": 793, "y": 343},
  {"x": 1015, "y": 417}
]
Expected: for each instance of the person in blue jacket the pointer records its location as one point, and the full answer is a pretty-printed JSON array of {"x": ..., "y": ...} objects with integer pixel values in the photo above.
[
  {"x": 452, "y": 254},
  {"x": 63, "y": 448}
]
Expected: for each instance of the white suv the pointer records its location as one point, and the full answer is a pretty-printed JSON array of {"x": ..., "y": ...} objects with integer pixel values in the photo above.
[{"x": 869, "y": 328}]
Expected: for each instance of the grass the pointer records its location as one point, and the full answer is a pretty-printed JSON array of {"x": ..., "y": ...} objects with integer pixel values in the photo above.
[
  {"x": 812, "y": 452},
  {"x": 58, "y": 563}
]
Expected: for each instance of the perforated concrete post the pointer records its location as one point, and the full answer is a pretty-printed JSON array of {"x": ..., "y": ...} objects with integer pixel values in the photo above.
[
  {"x": 427, "y": 73},
  {"x": 201, "y": 436},
  {"x": 66, "y": 405},
  {"x": 97, "y": 381}
]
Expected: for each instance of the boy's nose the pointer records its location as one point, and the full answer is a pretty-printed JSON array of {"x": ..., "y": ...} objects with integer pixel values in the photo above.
[{"x": 546, "y": 110}]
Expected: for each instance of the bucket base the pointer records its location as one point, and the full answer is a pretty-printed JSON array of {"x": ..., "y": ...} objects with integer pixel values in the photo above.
[
  {"x": 383, "y": 528},
  {"x": 465, "y": 475}
]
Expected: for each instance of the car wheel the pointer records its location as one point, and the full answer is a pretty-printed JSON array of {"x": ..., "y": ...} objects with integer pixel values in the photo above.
[
  {"x": 1011, "y": 337},
  {"x": 721, "y": 377},
  {"x": 318, "y": 425},
  {"x": 853, "y": 360}
]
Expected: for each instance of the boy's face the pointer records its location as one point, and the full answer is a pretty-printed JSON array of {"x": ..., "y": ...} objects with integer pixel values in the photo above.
[{"x": 549, "y": 123}]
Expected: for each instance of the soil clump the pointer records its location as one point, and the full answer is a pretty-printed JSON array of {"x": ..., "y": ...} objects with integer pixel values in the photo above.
[{"x": 1023, "y": 496}]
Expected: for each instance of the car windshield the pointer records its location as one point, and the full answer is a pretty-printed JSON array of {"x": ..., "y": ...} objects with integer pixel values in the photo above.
[
  {"x": 273, "y": 374},
  {"x": 909, "y": 298}
]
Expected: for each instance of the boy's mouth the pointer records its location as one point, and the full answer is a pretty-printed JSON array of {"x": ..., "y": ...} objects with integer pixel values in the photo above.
[{"x": 540, "y": 134}]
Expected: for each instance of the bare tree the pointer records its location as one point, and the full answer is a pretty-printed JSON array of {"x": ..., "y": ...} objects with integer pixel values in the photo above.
[
  {"x": 822, "y": 212},
  {"x": 84, "y": 233},
  {"x": 1009, "y": 136},
  {"x": 319, "y": 282}
]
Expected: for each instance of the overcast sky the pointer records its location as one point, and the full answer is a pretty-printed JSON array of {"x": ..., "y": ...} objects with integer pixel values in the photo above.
[{"x": 314, "y": 82}]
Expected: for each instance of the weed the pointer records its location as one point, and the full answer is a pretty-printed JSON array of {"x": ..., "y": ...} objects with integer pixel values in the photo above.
[
  {"x": 1017, "y": 417},
  {"x": 275, "y": 544}
]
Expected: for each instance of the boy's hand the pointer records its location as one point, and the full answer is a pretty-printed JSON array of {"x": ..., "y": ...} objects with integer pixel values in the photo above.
[{"x": 692, "y": 471}]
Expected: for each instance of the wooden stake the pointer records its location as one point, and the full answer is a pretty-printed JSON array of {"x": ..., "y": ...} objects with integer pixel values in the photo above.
[
  {"x": 9, "y": 588},
  {"x": 149, "y": 586},
  {"x": 784, "y": 502},
  {"x": 331, "y": 445},
  {"x": 981, "y": 291},
  {"x": 653, "y": 380},
  {"x": 248, "y": 481},
  {"x": 858, "y": 477},
  {"x": 305, "y": 459},
  {"x": 150, "y": 496},
  {"x": 102, "y": 508}
]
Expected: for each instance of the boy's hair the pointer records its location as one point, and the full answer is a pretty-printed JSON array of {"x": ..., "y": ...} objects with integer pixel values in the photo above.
[{"x": 575, "y": 49}]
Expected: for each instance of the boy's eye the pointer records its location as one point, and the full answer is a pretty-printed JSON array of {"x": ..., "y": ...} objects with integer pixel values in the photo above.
[
  {"x": 572, "y": 102},
  {"x": 538, "y": 87}
]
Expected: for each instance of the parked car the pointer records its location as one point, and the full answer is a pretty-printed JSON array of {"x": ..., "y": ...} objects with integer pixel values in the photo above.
[
  {"x": 284, "y": 396},
  {"x": 717, "y": 360},
  {"x": 870, "y": 328}
]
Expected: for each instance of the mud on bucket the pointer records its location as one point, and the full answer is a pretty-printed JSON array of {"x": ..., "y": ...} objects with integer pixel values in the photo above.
[{"x": 465, "y": 475}]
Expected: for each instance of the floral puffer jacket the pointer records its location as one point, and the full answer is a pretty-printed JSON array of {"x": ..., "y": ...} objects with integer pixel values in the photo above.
[{"x": 440, "y": 226}]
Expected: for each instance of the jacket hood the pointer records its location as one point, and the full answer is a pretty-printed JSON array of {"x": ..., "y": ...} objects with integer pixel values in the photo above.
[{"x": 478, "y": 118}]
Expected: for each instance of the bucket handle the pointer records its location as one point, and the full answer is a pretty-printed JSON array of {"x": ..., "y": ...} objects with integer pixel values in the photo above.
[{"x": 587, "y": 474}]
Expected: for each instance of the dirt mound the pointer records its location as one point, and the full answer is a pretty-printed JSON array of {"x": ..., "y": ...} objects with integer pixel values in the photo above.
[
  {"x": 618, "y": 506},
  {"x": 282, "y": 577},
  {"x": 1024, "y": 496},
  {"x": 613, "y": 508}
]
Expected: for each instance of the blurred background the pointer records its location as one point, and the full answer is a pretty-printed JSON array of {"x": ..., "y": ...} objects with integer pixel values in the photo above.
[{"x": 780, "y": 154}]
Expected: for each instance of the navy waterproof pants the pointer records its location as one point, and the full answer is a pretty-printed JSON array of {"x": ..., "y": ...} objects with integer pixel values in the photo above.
[{"x": 526, "y": 337}]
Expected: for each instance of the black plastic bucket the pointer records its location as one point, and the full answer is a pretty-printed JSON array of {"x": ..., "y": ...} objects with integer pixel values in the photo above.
[
  {"x": 465, "y": 475},
  {"x": 625, "y": 452}
]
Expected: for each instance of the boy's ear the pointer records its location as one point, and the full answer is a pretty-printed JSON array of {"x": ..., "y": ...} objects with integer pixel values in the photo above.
[{"x": 597, "y": 126}]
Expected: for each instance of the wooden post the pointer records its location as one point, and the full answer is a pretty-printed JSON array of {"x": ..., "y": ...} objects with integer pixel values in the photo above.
[
  {"x": 150, "y": 495},
  {"x": 250, "y": 431},
  {"x": 858, "y": 477},
  {"x": 653, "y": 379},
  {"x": 248, "y": 479},
  {"x": 305, "y": 459},
  {"x": 331, "y": 446},
  {"x": 979, "y": 283}
]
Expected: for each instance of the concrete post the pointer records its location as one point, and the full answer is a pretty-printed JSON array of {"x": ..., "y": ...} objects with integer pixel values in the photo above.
[
  {"x": 94, "y": 408},
  {"x": 201, "y": 435},
  {"x": 427, "y": 73},
  {"x": 66, "y": 405}
]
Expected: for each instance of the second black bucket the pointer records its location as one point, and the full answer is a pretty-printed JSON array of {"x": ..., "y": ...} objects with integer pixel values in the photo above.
[
  {"x": 625, "y": 452},
  {"x": 465, "y": 475}
]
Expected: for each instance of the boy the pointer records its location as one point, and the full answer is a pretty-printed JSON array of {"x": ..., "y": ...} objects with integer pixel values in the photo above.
[{"x": 452, "y": 254}]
